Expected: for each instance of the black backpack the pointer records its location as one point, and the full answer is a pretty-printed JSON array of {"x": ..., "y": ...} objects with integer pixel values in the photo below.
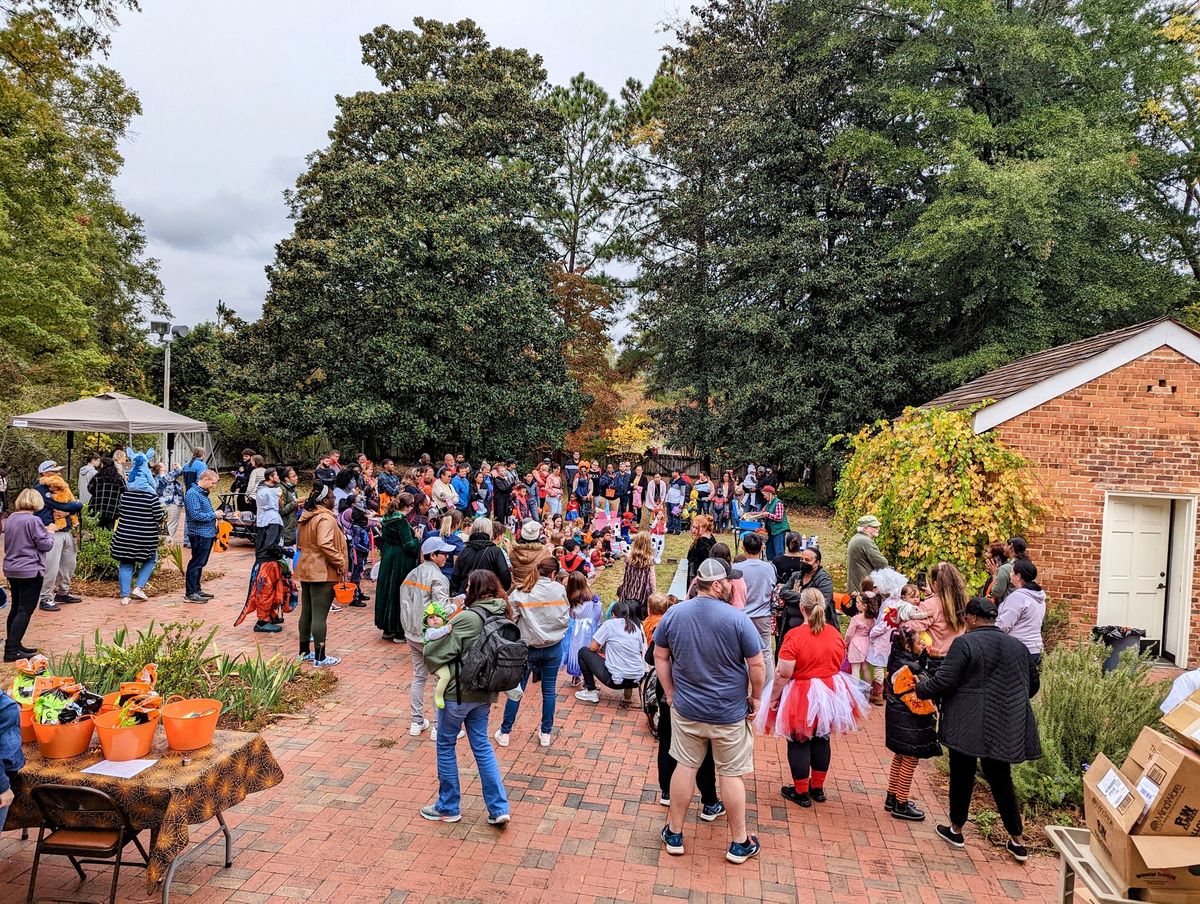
[{"x": 497, "y": 660}]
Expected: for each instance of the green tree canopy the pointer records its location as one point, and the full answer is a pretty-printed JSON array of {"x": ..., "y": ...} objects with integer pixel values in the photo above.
[
  {"x": 74, "y": 278},
  {"x": 412, "y": 304},
  {"x": 859, "y": 206}
]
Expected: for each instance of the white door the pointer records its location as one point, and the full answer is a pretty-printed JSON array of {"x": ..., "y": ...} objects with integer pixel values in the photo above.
[{"x": 1133, "y": 573}]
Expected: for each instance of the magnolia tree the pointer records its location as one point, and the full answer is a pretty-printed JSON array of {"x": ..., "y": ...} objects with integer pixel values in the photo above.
[{"x": 942, "y": 491}]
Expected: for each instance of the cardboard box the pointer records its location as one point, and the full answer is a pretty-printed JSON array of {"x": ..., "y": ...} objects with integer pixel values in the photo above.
[
  {"x": 1184, "y": 722},
  {"x": 1113, "y": 807},
  {"x": 1171, "y": 788}
]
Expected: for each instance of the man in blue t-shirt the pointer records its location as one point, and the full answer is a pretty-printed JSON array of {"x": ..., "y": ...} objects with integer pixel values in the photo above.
[{"x": 707, "y": 654}]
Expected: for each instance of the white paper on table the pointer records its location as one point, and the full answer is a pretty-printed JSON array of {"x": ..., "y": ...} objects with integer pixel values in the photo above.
[{"x": 124, "y": 769}]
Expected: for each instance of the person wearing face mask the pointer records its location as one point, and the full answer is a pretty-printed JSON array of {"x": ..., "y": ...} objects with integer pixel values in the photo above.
[{"x": 810, "y": 573}]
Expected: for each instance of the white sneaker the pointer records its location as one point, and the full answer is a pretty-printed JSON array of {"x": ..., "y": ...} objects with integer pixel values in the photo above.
[
  {"x": 124, "y": 601},
  {"x": 462, "y": 733},
  {"x": 543, "y": 739},
  {"x": 501, "y": 738},
  {"x": 588, "y": 696},
  {"x": 139, "y": 594},
  {"x": 417, "y": 727},
  {"x": 433, "y": 734}
]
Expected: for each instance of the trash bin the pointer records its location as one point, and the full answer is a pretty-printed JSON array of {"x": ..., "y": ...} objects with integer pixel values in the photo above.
[{"x": 1118, "y": 639}]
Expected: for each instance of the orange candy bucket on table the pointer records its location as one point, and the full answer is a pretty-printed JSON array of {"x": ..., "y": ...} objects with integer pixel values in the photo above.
[
  {"x": 27, "y": 733},
  {"x": 60, "y": 741},
  {"x": 129, "y": 742},
  {"x": 189, "y": 724}
]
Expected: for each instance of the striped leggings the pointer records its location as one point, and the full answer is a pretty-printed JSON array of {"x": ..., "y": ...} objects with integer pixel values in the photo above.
[{"x": 900, "y": 777}]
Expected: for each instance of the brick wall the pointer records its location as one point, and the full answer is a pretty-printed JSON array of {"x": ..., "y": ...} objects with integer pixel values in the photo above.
[{"x": 1135, "y": 429}]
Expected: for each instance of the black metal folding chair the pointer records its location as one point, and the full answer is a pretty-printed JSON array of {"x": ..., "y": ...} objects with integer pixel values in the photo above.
[{"x": 85, "y": 826}]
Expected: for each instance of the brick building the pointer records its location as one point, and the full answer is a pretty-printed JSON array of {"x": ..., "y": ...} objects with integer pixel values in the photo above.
[{"x": 1112, "y": 425}]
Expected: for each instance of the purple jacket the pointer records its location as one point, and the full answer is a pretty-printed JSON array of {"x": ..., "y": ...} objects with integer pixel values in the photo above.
[{"x": 26, "y": 542}]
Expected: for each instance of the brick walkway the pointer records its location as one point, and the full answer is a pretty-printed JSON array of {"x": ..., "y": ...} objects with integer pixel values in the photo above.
[{"x": 344, "y": 826}]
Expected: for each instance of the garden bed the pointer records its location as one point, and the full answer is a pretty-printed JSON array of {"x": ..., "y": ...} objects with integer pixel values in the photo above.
[
  {"x": 166, "y": 582},
  {"x": 253, "y": 690}
]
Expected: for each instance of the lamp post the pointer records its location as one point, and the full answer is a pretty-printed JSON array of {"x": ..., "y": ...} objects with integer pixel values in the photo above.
[{"x": 166, "y": 333}]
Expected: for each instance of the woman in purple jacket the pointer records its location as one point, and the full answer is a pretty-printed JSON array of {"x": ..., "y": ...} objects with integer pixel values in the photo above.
[{"x": 26, "y": 542}]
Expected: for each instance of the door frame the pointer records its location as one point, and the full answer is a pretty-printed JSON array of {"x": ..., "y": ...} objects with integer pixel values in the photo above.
[{"x": 1180, "y": 569}]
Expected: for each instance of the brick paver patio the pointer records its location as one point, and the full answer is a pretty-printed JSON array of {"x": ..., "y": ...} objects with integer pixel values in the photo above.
[{"x": 344, "y": 826}]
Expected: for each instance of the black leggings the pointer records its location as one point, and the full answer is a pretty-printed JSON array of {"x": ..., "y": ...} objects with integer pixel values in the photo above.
[
  {"x": 814, "y": 753},
  {"x": 25, "y": 592},
  {"x": 706, "y": 776},
  {"x": 999, "y": 777}
]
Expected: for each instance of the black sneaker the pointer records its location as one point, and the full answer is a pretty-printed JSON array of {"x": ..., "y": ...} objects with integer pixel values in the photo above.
[
  {"x": 889, "y": 802},
  {"x": 907, "y": 811},
  {"x": 710, "y": 812},
  {"x": 49, "y": 607},
  {"x": 952, "y": 838},
  {"x": 818, "y": 795},
  {"x": 358, "y": 604},
  {"x": 67, "y": 598},
  {"x": 196, "y": 598},
  {"x": 267, "y": 628},
  {"x": 796, "y": 797},
  {"x": 1019, "y": 852},
  {"x": 29, "y": 651},
  {"x": 206, "y": 594}
]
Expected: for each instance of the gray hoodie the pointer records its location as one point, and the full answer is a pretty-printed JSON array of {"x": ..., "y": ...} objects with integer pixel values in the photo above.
[{"x": 1021, "y": 616}]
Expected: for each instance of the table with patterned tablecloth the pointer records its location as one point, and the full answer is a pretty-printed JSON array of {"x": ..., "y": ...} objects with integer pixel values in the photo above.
[{"x": 180, "y": 790}]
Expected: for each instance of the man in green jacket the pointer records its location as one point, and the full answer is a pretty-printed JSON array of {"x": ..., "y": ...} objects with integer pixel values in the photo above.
[
  {"x": 862, "y": 555},
  {"x": 469, "y": 709}
]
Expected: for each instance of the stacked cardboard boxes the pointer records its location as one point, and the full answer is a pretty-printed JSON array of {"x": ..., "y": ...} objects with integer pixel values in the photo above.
[{"x": 1145, "y": 815}]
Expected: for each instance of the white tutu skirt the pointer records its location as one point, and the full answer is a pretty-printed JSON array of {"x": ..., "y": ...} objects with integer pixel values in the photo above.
[{"x": 816, "y": 707}]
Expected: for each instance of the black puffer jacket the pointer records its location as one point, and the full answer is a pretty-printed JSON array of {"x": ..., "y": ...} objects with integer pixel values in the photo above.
[
  {"x": 905, "y": 732},
  {"x": 984, "y": 684},
  {"x": 481, "y": 552}
]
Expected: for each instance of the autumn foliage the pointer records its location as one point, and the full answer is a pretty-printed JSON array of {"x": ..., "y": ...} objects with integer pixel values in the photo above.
[{"x": 941, "y": 491}]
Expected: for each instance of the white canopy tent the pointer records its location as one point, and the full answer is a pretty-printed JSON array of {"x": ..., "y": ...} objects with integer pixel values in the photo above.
[{"x": 110, "y": 412}]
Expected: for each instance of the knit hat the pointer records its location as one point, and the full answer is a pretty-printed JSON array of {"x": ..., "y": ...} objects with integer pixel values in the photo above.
[{"x": 531, "y": 531}]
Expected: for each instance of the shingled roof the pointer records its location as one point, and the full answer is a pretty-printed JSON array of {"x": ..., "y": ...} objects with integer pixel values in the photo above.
[{"x": 1023, "y": 373}]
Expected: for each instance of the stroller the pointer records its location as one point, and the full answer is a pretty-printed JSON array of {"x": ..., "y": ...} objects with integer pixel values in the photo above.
[{"x": 742, "y": 526}]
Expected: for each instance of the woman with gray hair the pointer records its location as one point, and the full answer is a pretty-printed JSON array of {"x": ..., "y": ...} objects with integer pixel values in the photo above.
[{"x": 480, "y": 552}]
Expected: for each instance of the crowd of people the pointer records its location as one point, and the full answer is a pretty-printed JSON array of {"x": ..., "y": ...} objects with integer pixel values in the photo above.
[{"x": 487, "y": 575}]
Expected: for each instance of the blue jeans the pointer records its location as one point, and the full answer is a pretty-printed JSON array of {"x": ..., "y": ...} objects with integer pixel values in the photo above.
[
  {"x": 674, "y": 522},
  {"x": 545, "y": 661},
  {"x": 775, "y": 546},
  {"x": 125, "y": 574},
  {"x": 201, "y": 548},
  {"x": 475, "y": 717}
]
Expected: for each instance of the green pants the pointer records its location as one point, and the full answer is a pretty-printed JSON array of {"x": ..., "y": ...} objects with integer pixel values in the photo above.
[{"x": 315, "y": 599}]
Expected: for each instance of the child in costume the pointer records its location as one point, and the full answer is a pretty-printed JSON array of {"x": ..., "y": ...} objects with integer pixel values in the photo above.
[
  {"x": 437, "y": 624},
  {"x": 657, "y": 605},
  {"x": 585, "y": 617},
  {"x": 889, "y": 584},
  {"x": 910, "y": 724},
  {"x": 858, "y": 636},
  {"x": 658, "y": 533}
]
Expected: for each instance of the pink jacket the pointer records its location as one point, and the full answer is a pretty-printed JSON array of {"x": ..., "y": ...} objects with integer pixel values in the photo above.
[{"x": 858, "y": 638}]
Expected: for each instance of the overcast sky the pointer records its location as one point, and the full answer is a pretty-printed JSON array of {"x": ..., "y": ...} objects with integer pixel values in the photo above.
[{"x": 236, "y": 94}]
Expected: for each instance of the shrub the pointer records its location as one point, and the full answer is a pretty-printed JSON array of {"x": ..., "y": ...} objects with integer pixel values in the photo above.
[
  {"x": 188, "y": 665},
  {"x": 801, "y": 496},
  {"x": 1082, "y": 711},
  {"x": 95, "y": 561},
  {"x": 942, "y": 492}
]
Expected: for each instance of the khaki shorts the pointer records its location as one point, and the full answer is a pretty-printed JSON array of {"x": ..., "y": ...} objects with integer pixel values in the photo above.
[{"x": 732, "y": 745}]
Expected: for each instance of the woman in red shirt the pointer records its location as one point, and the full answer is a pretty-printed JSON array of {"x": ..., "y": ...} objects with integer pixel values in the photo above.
[{"x": 811, "y": 699}]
